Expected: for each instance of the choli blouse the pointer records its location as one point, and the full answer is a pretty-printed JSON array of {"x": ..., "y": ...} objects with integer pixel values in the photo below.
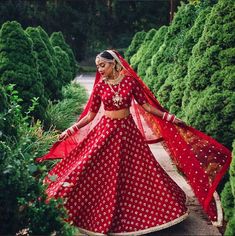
[{"x": 128, "y": 87}]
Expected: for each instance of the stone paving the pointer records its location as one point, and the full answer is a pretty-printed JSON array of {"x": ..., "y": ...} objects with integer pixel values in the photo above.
[{"x": 197, "y": 222}]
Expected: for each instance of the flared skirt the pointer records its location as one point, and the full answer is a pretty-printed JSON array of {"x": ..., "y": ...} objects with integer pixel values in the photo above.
[{"x": 112, "y": 183}]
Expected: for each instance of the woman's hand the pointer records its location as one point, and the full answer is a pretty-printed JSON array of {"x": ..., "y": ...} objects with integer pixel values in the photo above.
[{"x": 68, "y": 132}]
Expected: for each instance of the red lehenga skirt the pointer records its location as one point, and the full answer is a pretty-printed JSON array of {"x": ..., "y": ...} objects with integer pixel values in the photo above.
[{"x": 112, "y": 184}]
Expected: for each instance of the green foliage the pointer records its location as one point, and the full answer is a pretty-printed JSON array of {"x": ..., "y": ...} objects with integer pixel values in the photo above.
[
  {"x": 89, "y": 26},
  {"x": 57, "y": 39},
  {"x": 211, "y": 66},
  {"x": 136, "y": 58},
  {"x": 63, "y": 65},
  {"x": 227, "y": 201},
  {"x": 135, "y": 44},
  {"x": 8, "y": 125},
  {"x": 165, "y": 59},
  {"x": 46, "y": 67},
  {"x": 165, "y": 49},
  {"x": 150, "y": 49},
  {"x": 230, "y": 229},
  {"x": 64, "y": 113},
  {"x": 18, "y": 65},
  {"x": 23, "y": 201},
  {"x": 232, "y": 173},
  {"x": 46, "y": 40},
  {"x": 228, "y": 198},
  {"x": 181, "y": 64}
]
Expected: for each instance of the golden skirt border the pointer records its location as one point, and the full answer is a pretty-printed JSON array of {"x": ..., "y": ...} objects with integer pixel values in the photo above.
[{"x": 139, "y": 232}]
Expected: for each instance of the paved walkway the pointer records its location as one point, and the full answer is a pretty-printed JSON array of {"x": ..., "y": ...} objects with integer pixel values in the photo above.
[{"x": 197, "y": 222}]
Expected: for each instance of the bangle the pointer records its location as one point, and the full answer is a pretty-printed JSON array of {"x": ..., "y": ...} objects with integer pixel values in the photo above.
[
  {"x": 75, "y": 128},
  {"x": 164, "y": 116},
  {"x": 72, "y": 129},
  {"x": 168, "y": 117}
]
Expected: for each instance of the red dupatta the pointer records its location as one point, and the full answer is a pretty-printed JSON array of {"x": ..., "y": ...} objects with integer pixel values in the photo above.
[{"x": 201, "y": 159}]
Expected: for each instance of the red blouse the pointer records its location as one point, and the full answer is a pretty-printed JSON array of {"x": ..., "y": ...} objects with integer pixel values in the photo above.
[{"x": 128, "y": 87}]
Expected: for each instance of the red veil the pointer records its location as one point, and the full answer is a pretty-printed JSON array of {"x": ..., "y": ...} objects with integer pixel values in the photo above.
[{"x": 201, "y": 159}]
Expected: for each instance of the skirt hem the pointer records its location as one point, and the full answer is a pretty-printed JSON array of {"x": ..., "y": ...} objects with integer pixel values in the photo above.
[{"x": 139, "y": 232}]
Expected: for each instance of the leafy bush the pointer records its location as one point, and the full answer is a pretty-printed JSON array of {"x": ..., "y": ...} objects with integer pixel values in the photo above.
[
  {"x": 22, "y": 197},
  {"x": 181, "y": 64},
  {"x": 8, "y": 125},
  {"x": 150, "y": 49},
  {"x": 18, "y": 65},
  {"x": 64, "y": 113},
  {"x": 135, "y": 44},
  {"x": 136, "y": 58},
  {"x": 210, "y": 75},
  {"x": 165, "y": 59},
  {"x": 57, "y": 39},
  {"x": 228, "y": 198},
  {"x": 52, "y": 83},
  {"x": 63, "y": 65}
]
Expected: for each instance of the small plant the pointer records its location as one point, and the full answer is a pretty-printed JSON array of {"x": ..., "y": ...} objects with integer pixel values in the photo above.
[
  {"x": 65, "y": 112},
  {"x": 23, "y": 200}
]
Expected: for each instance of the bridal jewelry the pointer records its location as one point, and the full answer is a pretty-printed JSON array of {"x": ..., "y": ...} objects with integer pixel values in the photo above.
[
  {"x": 117, "y": 98},
  {"x": 115, "y": 81}
]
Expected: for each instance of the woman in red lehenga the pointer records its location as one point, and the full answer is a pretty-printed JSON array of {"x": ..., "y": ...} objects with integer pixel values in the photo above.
[{"x": 110, "y": 180}]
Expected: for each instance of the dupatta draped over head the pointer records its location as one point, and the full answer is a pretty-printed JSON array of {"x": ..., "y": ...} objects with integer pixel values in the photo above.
[{"x": 201, "y": 159}]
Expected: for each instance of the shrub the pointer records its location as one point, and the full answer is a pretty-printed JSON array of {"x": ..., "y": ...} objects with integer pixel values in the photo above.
[
  {"x": 64, "y": 113},
  {"x": 57, "y": 39},
  {"x": 165, "y": 60},
  {"x": 64, "y": 72},
  {"x": 136, "y": 58},
  {"x": 151, "y": 48},
  {"x": 228, "y": 198},
  {"x": 18, "y": 65},
  {"x": 210, "y": 75},
  {"x": 135, "y": 44},
  {"x": 59, "y": 57},
  {"x": 52, "y": 83},
  {"x": 22, "y": 197},
  {"x": 8, "y": 125},
  {"x": 181, "y": 64}
]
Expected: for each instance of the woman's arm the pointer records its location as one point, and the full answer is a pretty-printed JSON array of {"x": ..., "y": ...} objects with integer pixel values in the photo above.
[
  {"x": 149, "y": 108},
  {"x": 81, "y": 123}
]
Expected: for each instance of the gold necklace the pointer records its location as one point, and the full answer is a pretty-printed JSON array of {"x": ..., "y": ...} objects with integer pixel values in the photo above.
[
  {"x": 117, "y": 98},
  {"x": 115, "y": 81}
]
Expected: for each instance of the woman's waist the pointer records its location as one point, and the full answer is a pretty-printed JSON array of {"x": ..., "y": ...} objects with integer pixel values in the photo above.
[{"x": 117, "y": 114}]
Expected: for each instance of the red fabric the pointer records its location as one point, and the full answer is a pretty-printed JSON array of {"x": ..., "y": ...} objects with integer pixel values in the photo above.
[
  {"x": 200, "y": 158},
  {"x": 128, "y": 87},
  {"x": 113, "y": 184}
]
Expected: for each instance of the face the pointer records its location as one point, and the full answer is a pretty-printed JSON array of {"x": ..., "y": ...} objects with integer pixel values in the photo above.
[{"x": 105, "y": 68}]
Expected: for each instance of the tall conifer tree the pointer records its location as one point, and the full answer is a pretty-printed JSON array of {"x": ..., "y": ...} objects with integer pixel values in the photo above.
[
  {"x": 209, "y": 98},
  {"x": 18, "y": 65}
]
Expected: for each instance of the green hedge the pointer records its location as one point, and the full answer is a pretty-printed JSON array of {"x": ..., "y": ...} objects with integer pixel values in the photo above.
[
  {"x": 136, "y": 58},
  {"x": 228, "y": 199},
  {"x": 209, "y": 98},
  {"x": 46, "y": 67},
  {"x": 32, "y": 75},
  {"x": 18, "y": 65},
  {"x": 150, "y": 49},
  {"x": 22, "y": 195},
  {"x": 135, "y": 44},
  {"x": 191, "y": 69},
  {"x": 57, "y": 39}
]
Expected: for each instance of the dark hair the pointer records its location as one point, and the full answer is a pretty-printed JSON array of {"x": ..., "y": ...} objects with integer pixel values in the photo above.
[{"x": 106, "y": 55}]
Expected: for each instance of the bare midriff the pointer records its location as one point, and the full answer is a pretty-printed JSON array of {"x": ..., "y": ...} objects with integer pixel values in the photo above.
[{"x": 117, "y": 114}]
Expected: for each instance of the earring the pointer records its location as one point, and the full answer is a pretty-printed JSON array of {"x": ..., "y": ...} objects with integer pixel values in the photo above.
[{"x": 114, "y": 72}]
